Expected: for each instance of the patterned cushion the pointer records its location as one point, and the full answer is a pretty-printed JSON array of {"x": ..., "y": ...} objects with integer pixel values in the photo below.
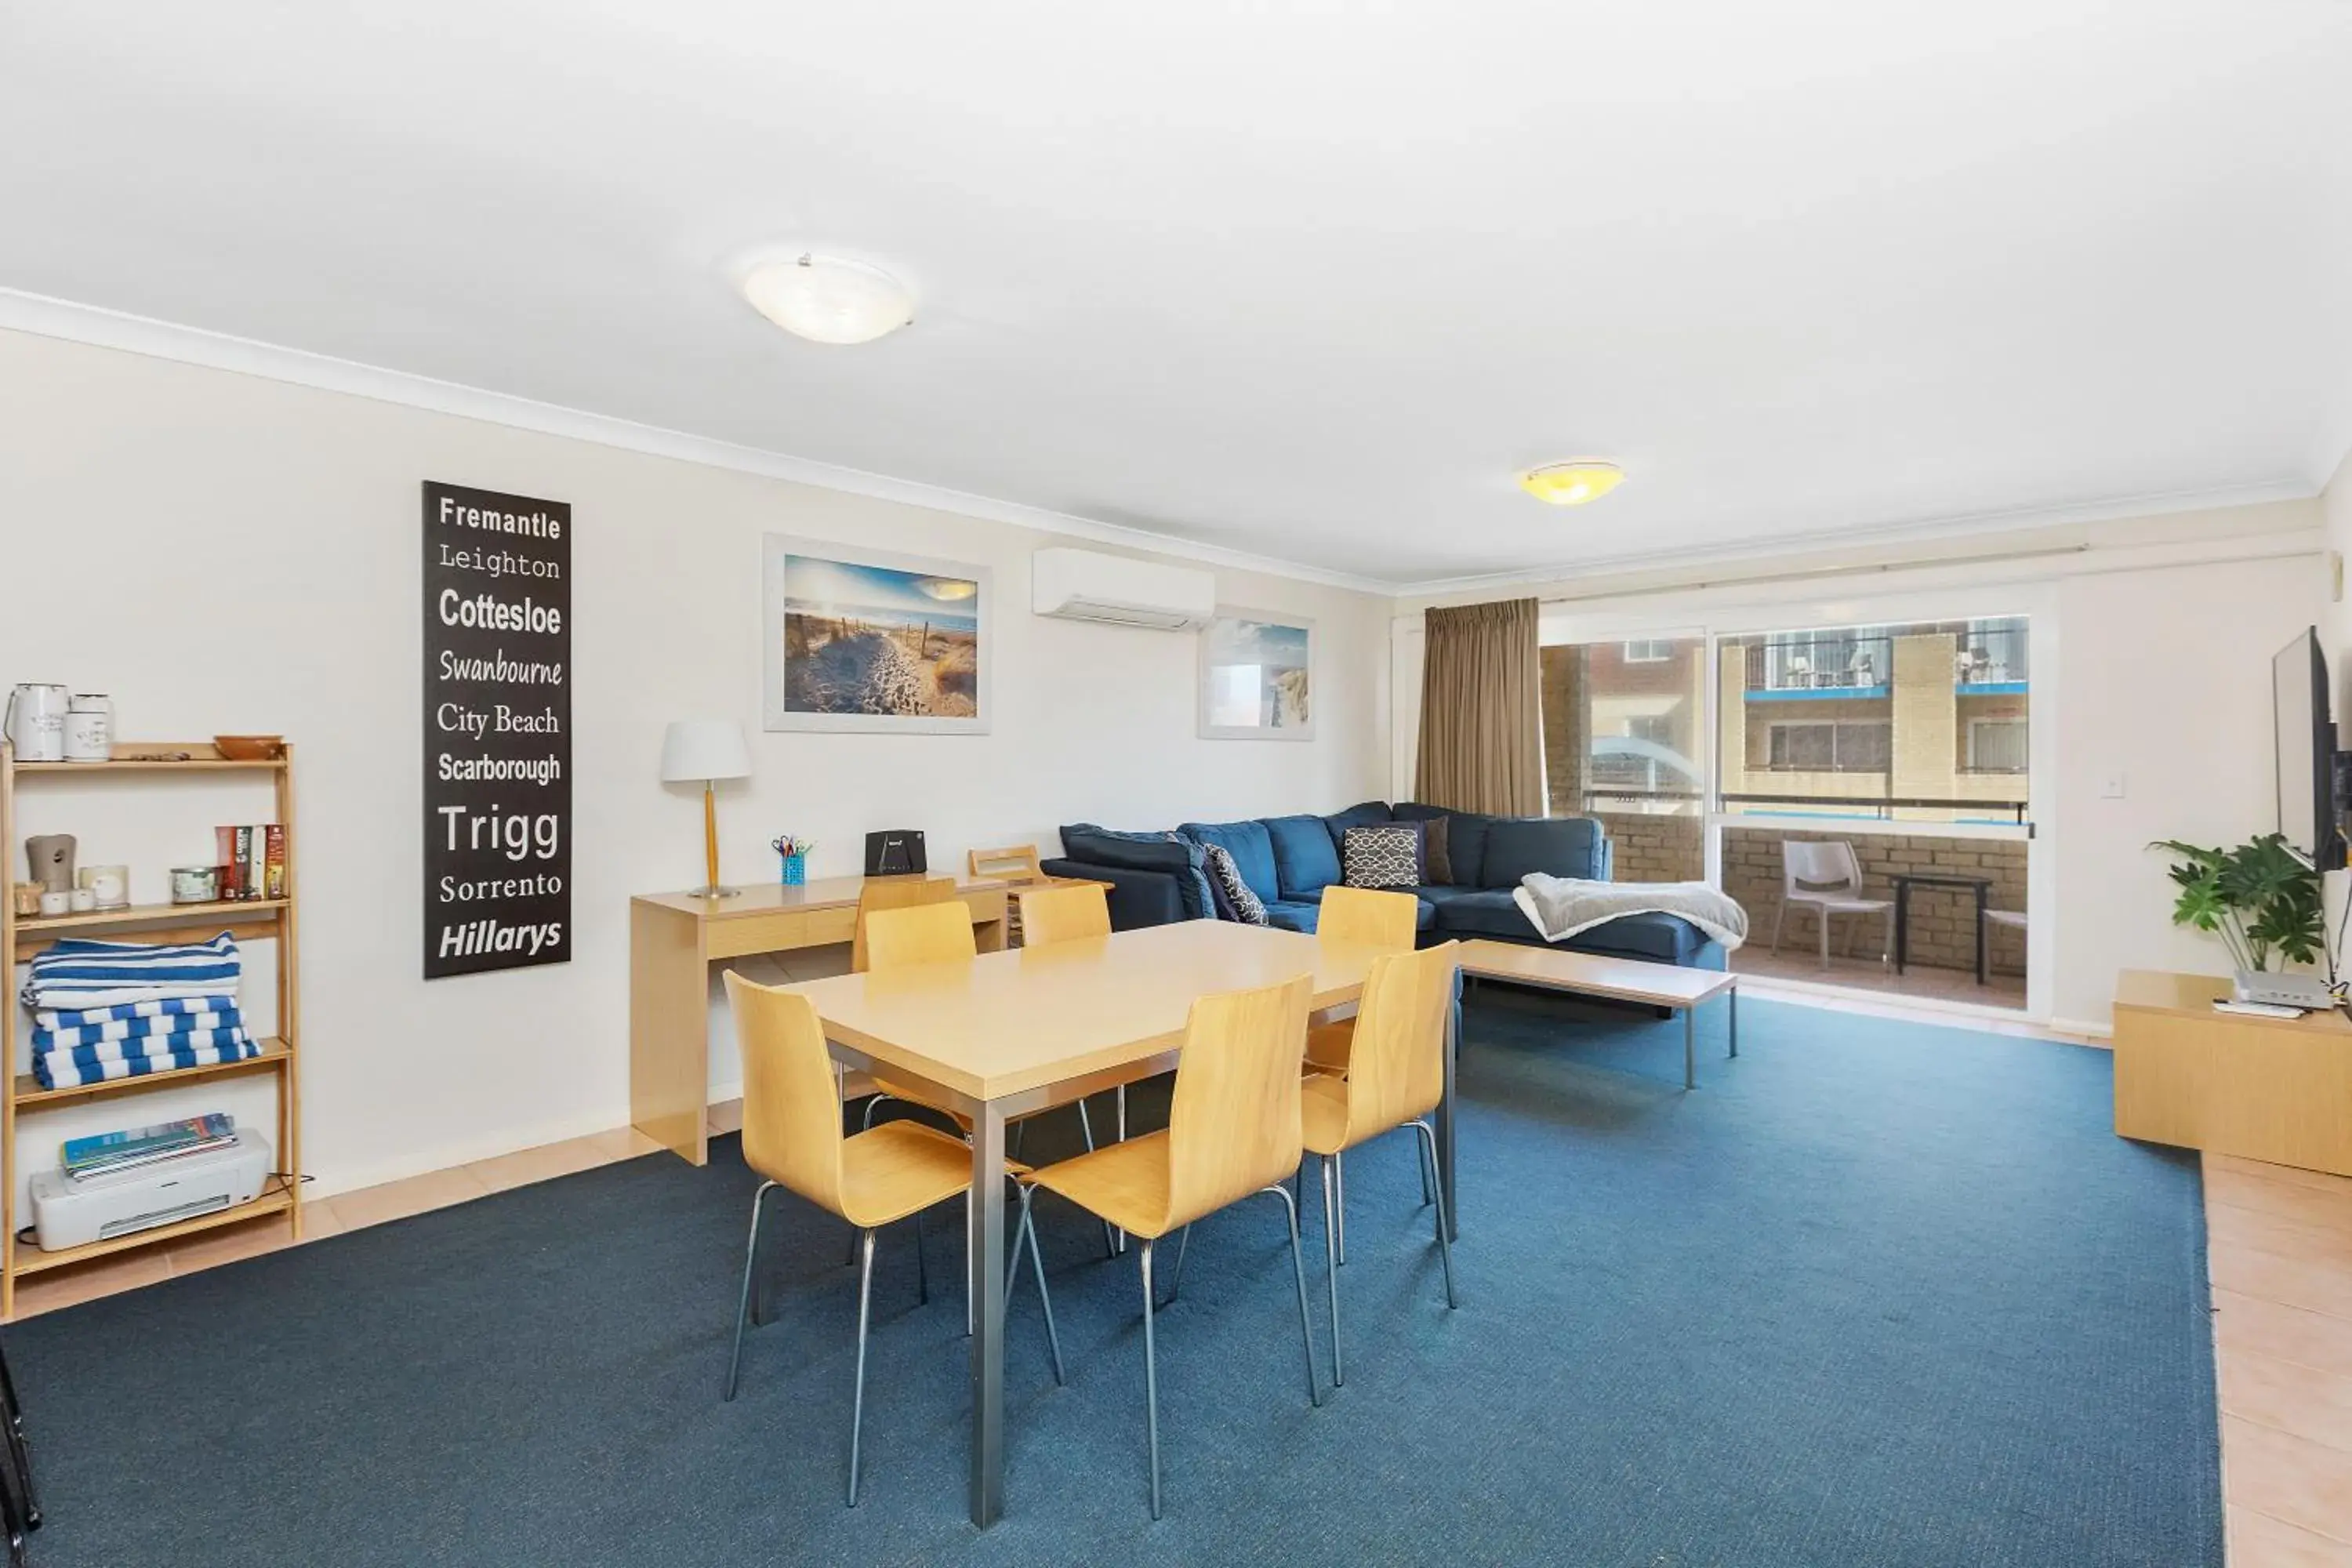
[
  {"x": 1227, "y": 877},
  {"x": 1382, "y": 857}
]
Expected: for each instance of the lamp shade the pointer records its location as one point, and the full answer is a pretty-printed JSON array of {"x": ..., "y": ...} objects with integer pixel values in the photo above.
[{"x": 694, "y": 748}]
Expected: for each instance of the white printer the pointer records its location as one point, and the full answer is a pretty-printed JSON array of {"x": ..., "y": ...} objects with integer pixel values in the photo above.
[{"x": 68, "y": 1213}]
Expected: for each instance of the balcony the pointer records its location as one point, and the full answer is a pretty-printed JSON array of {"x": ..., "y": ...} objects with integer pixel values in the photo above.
[{"x": 1988, "y": 659}]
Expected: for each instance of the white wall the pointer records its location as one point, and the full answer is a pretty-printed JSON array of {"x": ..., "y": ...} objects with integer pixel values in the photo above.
[
  {"x": 224, "y": 553},
  {"x": 2166, "y": 626},
  {"x": 2167, "y": 681}
]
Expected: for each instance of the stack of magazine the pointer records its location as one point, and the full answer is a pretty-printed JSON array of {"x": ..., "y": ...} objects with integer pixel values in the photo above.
[{"x": 110, "y": 1152}]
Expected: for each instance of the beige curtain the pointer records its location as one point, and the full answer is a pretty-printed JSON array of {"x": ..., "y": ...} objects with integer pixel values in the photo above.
[{"x": 1481, "y": 724}]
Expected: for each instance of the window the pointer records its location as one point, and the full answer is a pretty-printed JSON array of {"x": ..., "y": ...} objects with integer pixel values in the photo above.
[
  {"x": 1845, "y": 746},
  {"x": 1658, "y": 729},
  {"x": 1649, "y": 650},
  {"x": 1997, "y": 745}
]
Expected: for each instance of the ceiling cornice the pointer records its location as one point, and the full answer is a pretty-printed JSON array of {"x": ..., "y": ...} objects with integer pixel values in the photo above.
[
  {"x": 46, "y": 317},
  {"x": 1931, "y": 532}
]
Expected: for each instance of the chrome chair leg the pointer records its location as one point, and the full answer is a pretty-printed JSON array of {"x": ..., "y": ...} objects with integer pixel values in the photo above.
[
  {"x": 1340, "y": 1210},
  {"x": 743, "y": 1301},
  {"x": 1331, "y": 1265},
  {"x": 1027, "y": 1230},
  {"x": 1444, "y": 1247},
  {"x": 1299, "y": 1273},
  {"x": 1151, "y": 1381},
  {"x": 1428, "y": 1175},
  {"x": 922, "y": 1271},
  {"x": 1119, "y": 1242},
  {"x": 1086, "y": 1132},
  {"x": 857, "y": 1399},
  {"x": 1176, "y": 1276}
]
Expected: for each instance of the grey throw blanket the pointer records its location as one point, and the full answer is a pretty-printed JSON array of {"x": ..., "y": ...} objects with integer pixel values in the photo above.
[{"x": 1562, "y": 906}]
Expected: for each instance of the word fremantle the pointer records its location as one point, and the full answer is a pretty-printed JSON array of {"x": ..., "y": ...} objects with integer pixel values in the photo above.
[
  {"x": 497, "y": 721},
  {"x": 538, "y": 524}
]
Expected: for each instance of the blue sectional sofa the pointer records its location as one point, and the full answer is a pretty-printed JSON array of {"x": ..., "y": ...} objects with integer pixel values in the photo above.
[{"x": 1288, "y": 861}]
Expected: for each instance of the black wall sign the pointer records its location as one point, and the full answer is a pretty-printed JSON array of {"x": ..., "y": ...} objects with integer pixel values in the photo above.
[{"x": 497, "y": 732}]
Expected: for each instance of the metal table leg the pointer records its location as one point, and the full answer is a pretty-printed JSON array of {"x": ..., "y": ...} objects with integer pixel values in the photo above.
[
  {"x": 1734, "y": 996},
  {"x": 1690, "y": 1047},
  {"x": 1901, "y": 922},
  {"x": 985, "y": 1256},
  {"x": 1444, "y": 1138}
]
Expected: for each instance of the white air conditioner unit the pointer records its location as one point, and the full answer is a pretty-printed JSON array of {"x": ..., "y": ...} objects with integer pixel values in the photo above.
[{"x": 1087, "y": 585}]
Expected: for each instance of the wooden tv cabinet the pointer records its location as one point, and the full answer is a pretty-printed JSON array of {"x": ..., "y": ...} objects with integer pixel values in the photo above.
[{"x": 2261, "y": 1088}]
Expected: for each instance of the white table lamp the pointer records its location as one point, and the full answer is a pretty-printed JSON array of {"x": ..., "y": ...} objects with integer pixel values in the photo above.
[{"x": 709, "y": 750}]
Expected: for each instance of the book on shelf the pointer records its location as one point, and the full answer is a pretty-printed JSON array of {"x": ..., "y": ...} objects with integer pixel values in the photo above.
[
  {"x": 142, "y": 1145},
  {"x": 252, "y": 861}
]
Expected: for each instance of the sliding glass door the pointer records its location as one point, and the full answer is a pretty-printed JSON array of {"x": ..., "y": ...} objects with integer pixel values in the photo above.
[{"x": 1909, "y": 743}]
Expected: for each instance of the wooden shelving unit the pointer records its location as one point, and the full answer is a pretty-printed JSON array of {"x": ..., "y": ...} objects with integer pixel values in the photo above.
[{"x": 269, "y": 919}]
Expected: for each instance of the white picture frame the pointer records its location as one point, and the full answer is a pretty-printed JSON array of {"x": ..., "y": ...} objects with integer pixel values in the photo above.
[
  {"x": 820, "y": 600},
  {"x": 1258, "y": 676}
]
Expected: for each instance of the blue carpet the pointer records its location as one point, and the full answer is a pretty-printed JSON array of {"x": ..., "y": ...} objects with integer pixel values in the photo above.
[{"x": 1877, "y": 1293}]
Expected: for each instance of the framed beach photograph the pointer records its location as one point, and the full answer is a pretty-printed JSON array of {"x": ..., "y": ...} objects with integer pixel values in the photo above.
[
  {"x": 1257, "y": 674},
  {"x": 873, "y": 642}
]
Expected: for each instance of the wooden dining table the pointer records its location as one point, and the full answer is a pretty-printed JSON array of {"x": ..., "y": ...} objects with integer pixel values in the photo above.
[{"x": 1006, "y": 1034}]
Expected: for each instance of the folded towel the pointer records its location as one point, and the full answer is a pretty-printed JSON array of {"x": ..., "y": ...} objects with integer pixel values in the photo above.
[
  {"x": 156, "y": 1046},
  {"x": 57, "y": 1070},
  {"x": 81, "y": 1017},
  {"x": 137, "y": 1029},
  {"x": 78, "y": 973}
]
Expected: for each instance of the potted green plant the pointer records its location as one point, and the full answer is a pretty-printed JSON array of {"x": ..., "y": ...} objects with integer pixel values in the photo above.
[{"x": 2260, "y": 901}]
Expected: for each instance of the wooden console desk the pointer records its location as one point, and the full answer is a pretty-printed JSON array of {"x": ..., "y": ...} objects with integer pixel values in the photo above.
[
  {"x": 2272, "y": 1089},
  {"x": 674, "y": 938}
]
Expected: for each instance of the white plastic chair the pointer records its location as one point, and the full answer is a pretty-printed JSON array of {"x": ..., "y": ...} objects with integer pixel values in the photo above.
[{"x": 1826, "y": 878}]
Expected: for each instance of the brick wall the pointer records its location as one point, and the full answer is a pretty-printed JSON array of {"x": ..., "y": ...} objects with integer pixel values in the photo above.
[
  {"x": 1657, "y": 849},
  {"x": 1941, "y": 918}
]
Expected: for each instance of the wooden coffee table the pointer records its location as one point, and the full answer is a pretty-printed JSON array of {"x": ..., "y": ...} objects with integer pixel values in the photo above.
[{"x": 1616, "y": 979}]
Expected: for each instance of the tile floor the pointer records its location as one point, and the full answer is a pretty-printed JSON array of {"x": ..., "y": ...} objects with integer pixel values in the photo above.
[
  {"x": 1864, "y": 973},
  {"x": 2280, "y": 1259}
]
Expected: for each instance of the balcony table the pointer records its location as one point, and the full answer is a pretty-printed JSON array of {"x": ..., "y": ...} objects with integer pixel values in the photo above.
[{"x": 1903, "y": 886}]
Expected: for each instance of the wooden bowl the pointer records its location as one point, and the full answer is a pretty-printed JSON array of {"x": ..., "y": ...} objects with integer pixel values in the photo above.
[{"x": 249, "y": 748}]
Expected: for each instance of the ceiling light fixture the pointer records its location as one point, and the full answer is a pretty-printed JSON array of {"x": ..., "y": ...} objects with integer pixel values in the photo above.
[
  {"x": 1571, "y": 483},
  {"x": 828, "y": 300}
]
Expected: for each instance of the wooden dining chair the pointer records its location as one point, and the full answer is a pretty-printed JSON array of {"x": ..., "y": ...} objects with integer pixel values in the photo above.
[
  {"x": 1234, "y": 1131},
  {"x": 1049, "y": 915},
  {"x": 792, "y": 1139},
  {"x": 1396, "y": 1076},
  {"x": 931, "y": 933},
  {"x": 1358, "y": 917},
  {"x": 881, "y": 893}
]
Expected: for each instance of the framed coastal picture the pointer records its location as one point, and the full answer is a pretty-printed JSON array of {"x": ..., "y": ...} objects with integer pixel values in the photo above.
[
  {"x": 873, "y": 642},
  {"x": 1257, "y": 677}
]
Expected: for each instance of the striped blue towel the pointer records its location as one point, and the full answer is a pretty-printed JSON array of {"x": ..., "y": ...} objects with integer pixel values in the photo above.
[
  {"x": 226, "y": 1017},
  {"x": 79, "y": 973},
  {"x": 82, "y": 1017},
  {"x": 61, "y": 1070}
]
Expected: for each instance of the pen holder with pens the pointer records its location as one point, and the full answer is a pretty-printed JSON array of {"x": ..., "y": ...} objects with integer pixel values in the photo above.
[{"x": 793, "y": 852}]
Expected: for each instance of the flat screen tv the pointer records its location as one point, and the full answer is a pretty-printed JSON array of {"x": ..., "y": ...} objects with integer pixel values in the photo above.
[{"x": 2306, "y": 750}]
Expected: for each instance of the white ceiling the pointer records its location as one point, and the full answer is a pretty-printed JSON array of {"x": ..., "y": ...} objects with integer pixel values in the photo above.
[{"x": 1310, "y": 280}]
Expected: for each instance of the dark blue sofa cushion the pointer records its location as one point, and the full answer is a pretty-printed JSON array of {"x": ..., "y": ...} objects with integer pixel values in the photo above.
[
  {"x": 1370, "y": 814},
  {"x": 1557, "y": 846},
  {"x": 1465, "y": 838},
  {"x": 1137, "y": 898},
  {"x": 1662, "y": 939},
  {"x": 1305, "y": 861},
  {"x": 1483, "y": 911},
  {"x": 1251, "y": 847},
  {"x": 1291, "y": 916}
]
